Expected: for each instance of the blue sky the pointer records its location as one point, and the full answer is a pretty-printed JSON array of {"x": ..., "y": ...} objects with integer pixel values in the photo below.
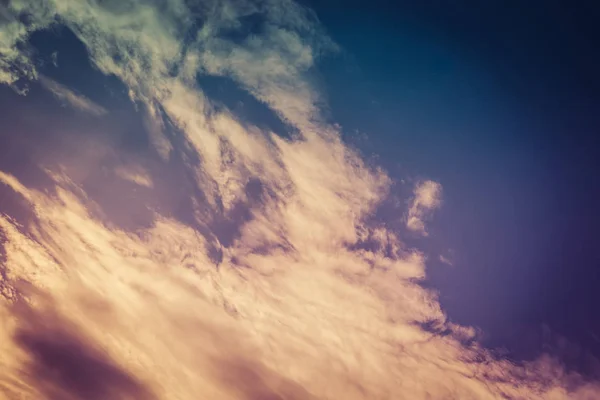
[{"x": 499, "y": 102}]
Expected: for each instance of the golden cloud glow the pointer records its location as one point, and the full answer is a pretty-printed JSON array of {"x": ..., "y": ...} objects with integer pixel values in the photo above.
[{"x": 271, "y": 285}]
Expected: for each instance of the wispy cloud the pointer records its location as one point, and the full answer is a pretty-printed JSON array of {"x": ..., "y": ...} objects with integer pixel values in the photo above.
[
  {"x": 136, "y": 175},
  {"x": 249, "y": 282},
  {"x": 66, "y": 95},
  {"x": 445, "y": 260},
  {"x": 427, "y": 197}
]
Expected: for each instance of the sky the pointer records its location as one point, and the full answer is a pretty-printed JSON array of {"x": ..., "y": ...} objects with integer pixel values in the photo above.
[
  {"x": 499, "y": 102},
  {"x": 279, "y": 200}
]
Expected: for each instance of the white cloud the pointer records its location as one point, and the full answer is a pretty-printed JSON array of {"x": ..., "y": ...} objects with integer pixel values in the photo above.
[
  {"x": 293, "y": 310},
  {"x": 427, "y": 197}
]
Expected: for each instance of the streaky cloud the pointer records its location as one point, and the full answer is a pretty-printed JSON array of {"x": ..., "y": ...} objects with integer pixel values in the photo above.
[
  {"x": 73, "y": 99},
  {"x": 264, "y": 287}
]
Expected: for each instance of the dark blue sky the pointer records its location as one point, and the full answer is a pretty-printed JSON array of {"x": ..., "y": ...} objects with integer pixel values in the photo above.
[{"x": 499, "y": 101}]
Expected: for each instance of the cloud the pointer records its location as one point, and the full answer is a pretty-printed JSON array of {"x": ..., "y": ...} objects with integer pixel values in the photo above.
[
  {"x": 445, "y": 260},
  {"x": 136, "y": 175},
  {"x": 63, "y": 363},
  {"x": 250, "y": 276},
  {"x": 68, "y": 96},
  {"x": 427, "y": 197}
]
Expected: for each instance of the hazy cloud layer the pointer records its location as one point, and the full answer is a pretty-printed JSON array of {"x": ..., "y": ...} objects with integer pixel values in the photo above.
[{"x": 250, "y": 272}]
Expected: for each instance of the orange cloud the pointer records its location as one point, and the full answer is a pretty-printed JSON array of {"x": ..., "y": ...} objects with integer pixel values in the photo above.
[{"x": 247, "y": 279}]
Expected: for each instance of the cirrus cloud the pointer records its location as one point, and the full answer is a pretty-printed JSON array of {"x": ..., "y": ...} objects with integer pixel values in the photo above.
[
  {"x": 247, "y": 279},
  {"x": 75, "y": 100}
]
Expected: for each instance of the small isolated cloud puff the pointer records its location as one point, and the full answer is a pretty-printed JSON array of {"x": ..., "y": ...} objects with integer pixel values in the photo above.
[
  {"x": 427, "y": 197},
  {"x": 445, "y": 260},
  {"x": 73, "y": 99}
]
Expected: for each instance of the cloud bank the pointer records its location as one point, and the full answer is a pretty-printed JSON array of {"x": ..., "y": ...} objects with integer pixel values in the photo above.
[{"x": 250, "y": 271}]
